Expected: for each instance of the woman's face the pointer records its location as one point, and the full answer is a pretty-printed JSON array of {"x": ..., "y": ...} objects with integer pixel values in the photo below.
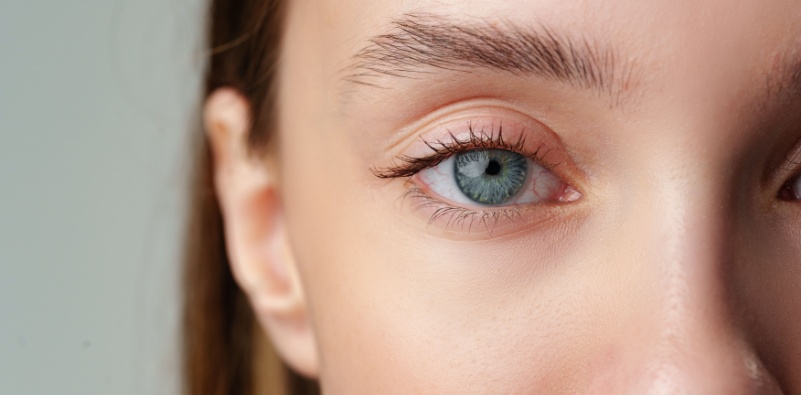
[{"x": 520, "y": 197}]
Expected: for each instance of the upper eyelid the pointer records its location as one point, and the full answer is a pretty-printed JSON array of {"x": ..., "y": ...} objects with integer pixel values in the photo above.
[
  {"x": 482, "y": 140},
  {"x": 780, "y": 167},
  {"x": 476, "y": 140},
  {"x": 790, "y": 164}
]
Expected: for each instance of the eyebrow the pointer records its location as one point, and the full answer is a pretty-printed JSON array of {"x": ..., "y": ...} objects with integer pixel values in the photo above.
[
  {"x": 784, "y": 82},
  {"x": 418, "y": 44}
]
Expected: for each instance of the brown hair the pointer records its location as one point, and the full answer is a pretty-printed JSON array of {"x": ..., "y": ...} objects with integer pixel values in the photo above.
[{"x": 224, "y": 352}]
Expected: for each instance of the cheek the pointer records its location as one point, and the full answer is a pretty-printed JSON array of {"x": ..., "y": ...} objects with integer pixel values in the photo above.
[{"x": 397, "y": 310}]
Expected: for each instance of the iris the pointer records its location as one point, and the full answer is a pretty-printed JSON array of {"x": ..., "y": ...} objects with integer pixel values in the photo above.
[{"x": 490, "y": 176}]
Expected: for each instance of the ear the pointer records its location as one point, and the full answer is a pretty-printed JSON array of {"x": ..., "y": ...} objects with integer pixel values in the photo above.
[{"x": 255, "y": 235}]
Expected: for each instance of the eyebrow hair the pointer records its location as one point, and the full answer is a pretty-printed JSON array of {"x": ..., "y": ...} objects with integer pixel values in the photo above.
[
  {"x": 785, "y": 81},
  {"x": 420, "y": 43}
]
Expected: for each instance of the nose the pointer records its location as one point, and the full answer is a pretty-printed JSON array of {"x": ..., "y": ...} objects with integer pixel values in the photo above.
[{"x": 682, "y": 335}]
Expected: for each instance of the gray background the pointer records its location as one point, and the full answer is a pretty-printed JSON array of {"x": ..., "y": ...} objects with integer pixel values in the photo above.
[{"x": 96, "y": 99}]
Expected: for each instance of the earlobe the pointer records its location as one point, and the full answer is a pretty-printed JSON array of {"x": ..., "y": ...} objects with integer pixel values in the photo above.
[{"x": 258, "y": 246}]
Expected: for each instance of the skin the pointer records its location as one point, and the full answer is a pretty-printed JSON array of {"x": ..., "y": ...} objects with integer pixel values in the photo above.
[{"x": 676, "y": 270}]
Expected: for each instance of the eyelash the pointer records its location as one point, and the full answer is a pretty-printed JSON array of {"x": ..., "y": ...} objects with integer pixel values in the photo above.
[
  {"x": 461, "y": 216},
  {"x": 477, "y": 140},
  {"x": 442, "y": 150}
]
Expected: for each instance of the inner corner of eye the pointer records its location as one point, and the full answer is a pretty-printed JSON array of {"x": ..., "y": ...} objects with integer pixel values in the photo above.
[
  {"x": 569, "y": 194},
  {"x": 791, "y": 190}
]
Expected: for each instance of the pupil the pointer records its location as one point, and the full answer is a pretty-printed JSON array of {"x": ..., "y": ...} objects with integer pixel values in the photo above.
[{"x": 493, "y": 168}]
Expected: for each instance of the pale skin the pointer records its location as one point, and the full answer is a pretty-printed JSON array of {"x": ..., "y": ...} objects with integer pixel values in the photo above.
[{"x": 674, "y": 268}]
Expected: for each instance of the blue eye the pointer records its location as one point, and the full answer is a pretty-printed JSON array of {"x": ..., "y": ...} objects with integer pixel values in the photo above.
[
  {"x": 491, "y": 176},
  {"x": 494, "y": 177}
]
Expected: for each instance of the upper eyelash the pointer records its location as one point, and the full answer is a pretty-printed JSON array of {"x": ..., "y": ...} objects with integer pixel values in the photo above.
[{"x": 477, "y": 140}]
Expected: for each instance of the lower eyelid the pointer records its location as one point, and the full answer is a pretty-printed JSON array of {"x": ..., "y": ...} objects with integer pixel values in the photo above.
[
  {"x": 454, "y": 217},
  {"x": 469, "y": 224}
]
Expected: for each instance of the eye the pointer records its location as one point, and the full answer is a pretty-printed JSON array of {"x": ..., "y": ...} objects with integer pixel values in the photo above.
[
  {"x": 792, "y": 189},
  {"x": 495, "y": 177}
]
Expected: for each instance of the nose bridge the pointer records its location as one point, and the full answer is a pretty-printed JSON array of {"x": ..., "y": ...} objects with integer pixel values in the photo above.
[
  {"x": 687, "y": 247},
  {"x": 690, "y": 342},
  {"x": 686, "y": 252}
]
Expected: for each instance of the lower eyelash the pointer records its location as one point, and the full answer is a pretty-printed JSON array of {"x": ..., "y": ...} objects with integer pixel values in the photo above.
[{"x": 460, "y": 216}]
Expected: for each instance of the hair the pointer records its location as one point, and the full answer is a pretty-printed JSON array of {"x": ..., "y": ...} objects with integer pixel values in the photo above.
[{"x": 223, "y": 350}]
